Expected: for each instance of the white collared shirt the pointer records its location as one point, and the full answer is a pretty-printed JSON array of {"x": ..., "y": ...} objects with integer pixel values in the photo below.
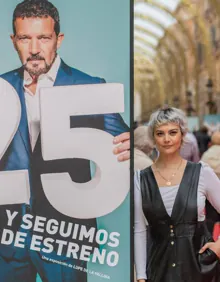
[{"x": 32, "y": 100}]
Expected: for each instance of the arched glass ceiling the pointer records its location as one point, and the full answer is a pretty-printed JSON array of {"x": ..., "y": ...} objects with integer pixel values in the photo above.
[
  {"x": 145, "y": 36},
  {"x": 158, "y": 15},
  {"x": 148, "y": 25}
]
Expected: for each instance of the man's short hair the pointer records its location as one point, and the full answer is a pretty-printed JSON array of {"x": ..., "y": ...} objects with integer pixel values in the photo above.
[{"x": 37, "y": 8}]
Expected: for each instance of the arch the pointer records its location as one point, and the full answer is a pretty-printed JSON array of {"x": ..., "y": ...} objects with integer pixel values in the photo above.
[
  {"x": 159, "y": 80},
  {"x": 191, "y": 43},
  {"x": 177, "y": 83},
  {"x": 177, "y": 44}
]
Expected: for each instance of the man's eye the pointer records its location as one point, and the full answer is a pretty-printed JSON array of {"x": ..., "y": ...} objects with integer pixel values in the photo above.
[
  {"x": 23, "y": 39},
  {"x": 45, "y": 39}
]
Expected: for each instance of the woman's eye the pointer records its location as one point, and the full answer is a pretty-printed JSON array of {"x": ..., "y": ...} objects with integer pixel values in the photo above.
[
  {"x": 173, "y": 133},
  {"x": 159, "y": 134}
]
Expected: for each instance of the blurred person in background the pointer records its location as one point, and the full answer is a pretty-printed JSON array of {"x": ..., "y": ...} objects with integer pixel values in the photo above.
[
  {"x": 203, "y": 139},
  {"x": 212, "y": 155},
  {"x": 190, "y": 150},
  {"x": 142, "y": 148}
]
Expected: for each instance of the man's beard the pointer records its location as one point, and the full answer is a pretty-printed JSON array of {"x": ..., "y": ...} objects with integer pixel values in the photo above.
[{"x": 38, "y": 71}]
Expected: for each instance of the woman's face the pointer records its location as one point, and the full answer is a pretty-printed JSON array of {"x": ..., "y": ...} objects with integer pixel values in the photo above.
[{"x": 168, "y": 138}]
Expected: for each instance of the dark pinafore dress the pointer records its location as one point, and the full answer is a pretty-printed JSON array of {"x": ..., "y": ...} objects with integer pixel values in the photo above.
[{"x": 174, "y": 241}]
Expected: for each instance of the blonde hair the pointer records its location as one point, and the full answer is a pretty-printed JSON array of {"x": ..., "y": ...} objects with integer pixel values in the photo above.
[{"x": 164, "y": 116}]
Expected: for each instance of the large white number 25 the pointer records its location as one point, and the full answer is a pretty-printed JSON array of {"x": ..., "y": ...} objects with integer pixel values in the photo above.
[{"x": 110, "y": 185}]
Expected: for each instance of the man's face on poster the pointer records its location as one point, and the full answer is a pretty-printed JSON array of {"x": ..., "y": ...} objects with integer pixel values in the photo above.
[{"x": 36, "y": 43}]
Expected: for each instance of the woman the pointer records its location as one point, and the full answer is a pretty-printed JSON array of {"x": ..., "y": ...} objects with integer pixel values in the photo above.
[
  {"x": 142, "y": 148},
  {"x": 170, "y": 200},
  {"x": 212, "y": 155}
]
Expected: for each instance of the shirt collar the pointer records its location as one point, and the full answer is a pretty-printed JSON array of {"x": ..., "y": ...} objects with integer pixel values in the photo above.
[{"x": 51, "y": 74}]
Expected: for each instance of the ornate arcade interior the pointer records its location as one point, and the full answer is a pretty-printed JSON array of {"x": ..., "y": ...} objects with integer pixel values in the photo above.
[{"x": 177, "y": 56}]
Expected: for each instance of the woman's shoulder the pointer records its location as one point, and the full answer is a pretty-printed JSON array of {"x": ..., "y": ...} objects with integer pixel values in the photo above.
[
  {"x": 209, "y": 182},
  {"x": 138, "y": 174},
  {"x": 146, "y": 170},
  {"x": 207, "y": 174},
  {"x": 205, "y": 167}
]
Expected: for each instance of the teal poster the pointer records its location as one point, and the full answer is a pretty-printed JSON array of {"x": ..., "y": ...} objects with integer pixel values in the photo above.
[{"x": 64, "y": 98}]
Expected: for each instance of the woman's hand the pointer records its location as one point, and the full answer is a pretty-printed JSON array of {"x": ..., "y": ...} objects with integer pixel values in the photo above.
[{"x": 214, "y": 246}]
